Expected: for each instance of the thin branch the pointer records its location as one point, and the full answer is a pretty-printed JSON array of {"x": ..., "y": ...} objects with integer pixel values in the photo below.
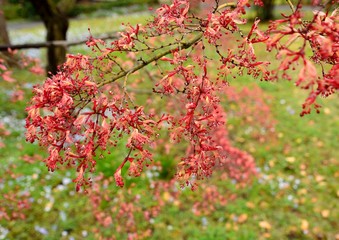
[
  {"x": 153, "y": 59},
  {"x": 52, "y": 43},
  {"x": 230, "y": 4},
  {"x": 291, "y": 5}
]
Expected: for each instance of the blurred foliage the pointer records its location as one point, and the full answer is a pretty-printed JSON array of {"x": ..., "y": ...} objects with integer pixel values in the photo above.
[{"x": 19, "y": 9}]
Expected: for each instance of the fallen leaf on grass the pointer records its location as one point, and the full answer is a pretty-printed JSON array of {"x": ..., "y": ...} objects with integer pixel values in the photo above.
[
  {"x": 303, "y": 166},
  {"x": 319, "y": 178},
  {"x": 327, "y": 111},
  {"x": 251, "y": 205},
  {"x": 290, "y": 159},
  {"x": 304, "y": 225},
  {"x": 325, "y": 213},
  {"x": 266, "y": 225},
  {"x": 166, "y": 196},
  {"x": 266, "y": 235},
  {"x": 242, "y": 218},
  {"x": 302, "y": 191}
]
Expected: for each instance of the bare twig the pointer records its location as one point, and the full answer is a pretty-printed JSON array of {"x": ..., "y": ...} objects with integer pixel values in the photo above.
[
  {"x": 291, "y": 5},
  {"x": 52, "y": 43},
  {"x": 153, "y": 59}
]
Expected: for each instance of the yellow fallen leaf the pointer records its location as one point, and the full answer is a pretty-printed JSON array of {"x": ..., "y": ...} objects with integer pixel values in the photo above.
[
  {"x": 319, "y": 178},
  {"x": 242, "y": 218},
  {"x": 252, "y": 150},
  {"x": 266, "y": 225},
  {"x": 325, "y": 213},
  {"x": 48, "y": 206},
  {"x": 303, "y": 166},
  {"x": 302, "y": 191},
  {"x": 251, "y": 205},
  {"x": 290, "y": 159},
  {"x": 266, "y": 235},
  {"x": 166, "y": 196},
  {"x": 327, "y": 111},
  {"x": 304, "y": 225}
]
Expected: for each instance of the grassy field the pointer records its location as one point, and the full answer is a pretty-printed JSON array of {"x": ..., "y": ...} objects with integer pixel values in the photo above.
[{"x": 294, "y": 196}]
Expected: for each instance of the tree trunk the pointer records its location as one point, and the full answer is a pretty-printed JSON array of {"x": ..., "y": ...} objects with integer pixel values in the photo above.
[
  {"x": 9, "y": 59},
  {"x": 56, "y": 23},
  {"x": 265, "y": 13},
  {"x": 4, "y": 38}
]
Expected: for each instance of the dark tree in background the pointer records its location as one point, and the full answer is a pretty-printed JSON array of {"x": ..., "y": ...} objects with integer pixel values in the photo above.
[
  {"x": 4, "y": 38},
  {"x": 54, "y": 16},
  {"x": 265, "y": 13}
]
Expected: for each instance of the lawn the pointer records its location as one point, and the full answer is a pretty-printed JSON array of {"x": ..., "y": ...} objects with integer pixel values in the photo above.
[{"x": 293, "y": 196}]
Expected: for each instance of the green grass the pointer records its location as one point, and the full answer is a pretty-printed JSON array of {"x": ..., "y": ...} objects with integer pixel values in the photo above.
[{"x": 297, "y": 182}]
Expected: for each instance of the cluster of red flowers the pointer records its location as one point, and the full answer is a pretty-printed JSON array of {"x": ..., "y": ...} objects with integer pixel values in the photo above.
[
  {"x": 292, "y": 36},
  {"x": 85, "y": 109}
]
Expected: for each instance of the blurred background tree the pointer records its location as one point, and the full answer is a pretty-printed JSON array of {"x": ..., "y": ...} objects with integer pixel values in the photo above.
[
  {"x": 54, "y": 16},
  {"x": 265, "y": 13},
  {"x": 4, "y": 38}
]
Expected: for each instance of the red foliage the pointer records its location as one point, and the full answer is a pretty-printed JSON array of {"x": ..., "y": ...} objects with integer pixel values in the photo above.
[
  {"x": 322, "y": 35},
  {"x": 84, "y": 109},
  {"x": 120, "y": 211},
  {"x": 15, "y": 203}
]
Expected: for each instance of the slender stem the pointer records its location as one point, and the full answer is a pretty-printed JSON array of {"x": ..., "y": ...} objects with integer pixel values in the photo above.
[
  {"x": 291, "y": 5},
  {"x": 230, "y": 4},
  {"x": 184, "y": 45},
  {"x": 124, "y": 162}
]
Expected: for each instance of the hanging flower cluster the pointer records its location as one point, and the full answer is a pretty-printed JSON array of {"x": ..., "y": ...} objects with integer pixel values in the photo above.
[{"x": 293, "y": 37}]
